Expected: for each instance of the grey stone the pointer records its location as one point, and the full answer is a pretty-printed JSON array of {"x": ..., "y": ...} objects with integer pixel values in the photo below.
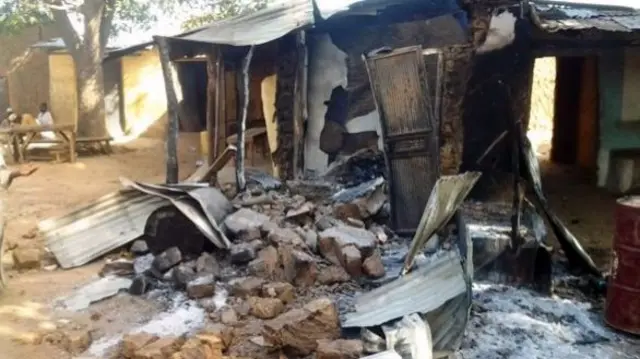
[
  {"x": 242, "y": 253},
  {"x": 139, "y": 247},
  {"x": 332, "y": 240},
  {"x": 244, "y": 220},
  {"x": 182, "y": 275},
  {"x": 201, "y": 287},
  {"x": 207, "y": 264},
  {"x": 167, "y": 259},
  {"x": 285, "y": 236},
  {"x": 140, "y": 285},
  {"x": 143, "y": 264}
]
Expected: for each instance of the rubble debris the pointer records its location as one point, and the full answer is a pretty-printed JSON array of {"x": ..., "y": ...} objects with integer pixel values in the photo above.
[
  {"x": 306, "y": 209},
  {"x": 140, "y": 285},
  {"x": 312, "y": 189},
  {"x": 244, "y": 220},
  {"x": 182, "y": 275},
  {"x": 281, "y": 290},
  {"x": 267, "y": 265},
  {"x": 27, "y": 258},
  {"x": 139, "y": 247},
  {"x": 373, "y": 267},
  {"x": 388, "y": 354},
  {"x": 167, "y": 260},
  {"x": 228, "y": 316},
  {"x": 120, "y": 267},
  {"x": 100, "y": 289},
  {"x": 297, "y": 331},
  {"x": 299, "y": 267},
  {"x": 362, "y": 166},
  {"x": 339, "y": 349},
  {"x": 164, "y": 347},
  {"x": 310, "y": 238},
  {"x": 355, "y": 223},
  {"x": 333, "y": 275},
  {"x": 245, "y": 287},
  {"x": 350, "y": 194},
  {"x": 351, "y": 260},
  {"x": 143, "y": 263},
  {"x": 76, "y": 341},
  {"x": 201, "y": 287},
  {"x": 265, "y": 308},
  {"x": 285, "y": 236},
  {"x": 207, "y": 264},
  {"x": 265, "y": 180},
  {"x": 325, "y": 222},
  {"x": 131, "y": 343},
  {"x": 242, "y": 253}
]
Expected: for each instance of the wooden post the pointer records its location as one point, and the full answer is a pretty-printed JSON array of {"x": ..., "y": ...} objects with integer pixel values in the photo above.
[
  {"x": 212, "y": 109},
  {"x": 243, "y": 104},
  {"x": 221, "y": 104},
  {"x": 171, "y": 145},
  {"x": 300, "y": 111}
]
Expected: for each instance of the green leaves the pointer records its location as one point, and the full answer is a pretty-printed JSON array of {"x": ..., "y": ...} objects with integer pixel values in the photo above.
[{"x": 223, "y": 9}]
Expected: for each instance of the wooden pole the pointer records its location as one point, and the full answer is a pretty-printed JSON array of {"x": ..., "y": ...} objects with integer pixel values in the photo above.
[
  {"x": 243, "y": 101},
  {"x": 221, "y": 104},
  {"x": 171, "y": 144},
  {"x": 300, "y": 111},
  {"x": 212, "y": 95}
]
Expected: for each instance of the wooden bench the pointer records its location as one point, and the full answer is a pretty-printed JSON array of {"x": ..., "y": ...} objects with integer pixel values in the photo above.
[
  {"x": 250, "y": 136},
  {"x": 103, "y": 143}
]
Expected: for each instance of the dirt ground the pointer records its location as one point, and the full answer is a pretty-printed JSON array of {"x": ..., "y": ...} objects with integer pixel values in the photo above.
[{"x": 56, "y": 188}]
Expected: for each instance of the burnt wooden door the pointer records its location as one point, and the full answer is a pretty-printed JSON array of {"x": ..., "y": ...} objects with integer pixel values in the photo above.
[{"x": 406, "y": 85}]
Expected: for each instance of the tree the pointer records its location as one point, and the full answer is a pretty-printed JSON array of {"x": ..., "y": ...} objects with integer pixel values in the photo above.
[{"x": 223, "y": 9}]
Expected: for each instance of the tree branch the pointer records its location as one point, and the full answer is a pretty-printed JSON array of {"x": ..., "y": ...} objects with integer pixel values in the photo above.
[
  {"x": 69, "y": 34},
  {"x": 107, "y": 22}
]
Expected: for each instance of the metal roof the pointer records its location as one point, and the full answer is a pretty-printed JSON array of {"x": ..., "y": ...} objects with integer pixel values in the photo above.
[{"x": 559, "y": 16}]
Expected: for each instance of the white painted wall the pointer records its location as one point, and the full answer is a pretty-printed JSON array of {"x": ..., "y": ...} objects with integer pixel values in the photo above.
[{"x": 328, "y": 69}]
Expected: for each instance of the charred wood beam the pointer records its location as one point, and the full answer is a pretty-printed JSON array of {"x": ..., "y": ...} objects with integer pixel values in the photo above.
[
  {"x": 171, "y": 144},
  {"x": 243, "y": 103},
  {"x": 212, "y": 80},
  {"x": 300, "y": 110}
]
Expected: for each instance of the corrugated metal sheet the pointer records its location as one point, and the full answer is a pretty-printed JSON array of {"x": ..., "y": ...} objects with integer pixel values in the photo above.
[
  {"x": 552, "y": 18},
  {"x": 328, "y": 8},
  {"x": 421, "y": 291},
  {"x": 96, "y": 291},
  {"x": 91, "y": 231},
  {"x": 257, "y": 28},
  {"x": 446, "y": 197}
]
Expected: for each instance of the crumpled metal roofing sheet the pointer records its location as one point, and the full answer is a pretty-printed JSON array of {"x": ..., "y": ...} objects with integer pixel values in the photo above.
[
  {"x": 257, "y": 28},
  {"x": 421, "y": 291},
  {"x": 554, "y": 18},
  {"x": 91, "y": 231}
]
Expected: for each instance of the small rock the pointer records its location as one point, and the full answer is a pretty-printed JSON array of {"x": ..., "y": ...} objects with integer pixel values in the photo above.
[
  {"x": 268, "y": 227},
  {"x": 143, "y": 264},
  {"x": 140, "y": 285},
  {"x": 298, "y": 331},
  {"x": 77, "y": 341},
  {"x": 244, "y": 220},
  {"x": 355, "y": 222},
  {"x": 242, "y": 308},
  {"x": 305, "y": 209},
  {"x": 344, "y": 211},
  {"x": 228, "y": 316},
  {"x": 27, "y": 258},
  {"x": 120, "y": 267},
  {"x": 333, "y": 275},
  {"x": 343, "y": 235},
  {"x": 131, "y": 343},
  {"x": 223, "y": 332},
  {"x": 160, "y": 349},
  {"x": 380, "y": 233},
  {"x": 299, "y": 267},
  {"x": 351, "y": 260},
  {"x": 201, "y": 287},
  {"x": 265, "y": 308},
  {"x": 245, "y": 287},
  {"x": 139, "y": 247},
  {"x": 373, "y": 266},
  {"x": 167, "y": 259},
  {"x": 207, "y": 264},
  {"x": 311, "y": 240},
  {"x": 182, "y": 275},
  {"x": 267, "y": 264},
  {"x": 339, "y": 349},
  {"x": 249, "y": 235},
  {"x": 285, "y": 236},
  {"x": 282, "y": 290},
  {"x": 242, "y": 253},
  {"x": 324, "y": 223}
]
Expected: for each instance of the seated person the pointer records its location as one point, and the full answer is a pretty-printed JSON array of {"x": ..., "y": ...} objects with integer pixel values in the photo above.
[{"x": 45, "y": 119}]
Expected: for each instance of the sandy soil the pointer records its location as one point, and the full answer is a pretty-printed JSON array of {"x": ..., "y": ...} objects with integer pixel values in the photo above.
[{"x": 25, "y": 306}]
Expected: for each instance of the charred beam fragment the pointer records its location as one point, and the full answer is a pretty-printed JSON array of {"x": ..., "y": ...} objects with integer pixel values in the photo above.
[
  {"x": 243, "y": 103},
  {"x": 171, "y": 145},
  {"x": 300, "y": 112}
]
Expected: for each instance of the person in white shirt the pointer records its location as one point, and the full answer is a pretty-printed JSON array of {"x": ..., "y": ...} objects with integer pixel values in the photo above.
[{"x": 45, "y": 119}]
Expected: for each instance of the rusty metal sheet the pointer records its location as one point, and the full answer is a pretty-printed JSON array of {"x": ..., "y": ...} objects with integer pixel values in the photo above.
[
  {"x": 630, "y": 22},
  {"x": 400, "y": 84}
]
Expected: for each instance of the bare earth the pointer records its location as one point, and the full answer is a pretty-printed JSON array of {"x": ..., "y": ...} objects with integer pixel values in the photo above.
[{"x": 56, "y": 188}]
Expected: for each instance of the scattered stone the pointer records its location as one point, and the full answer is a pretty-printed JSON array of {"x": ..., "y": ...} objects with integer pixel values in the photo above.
[
  {"x": 351, "y": 260},
  {"x": 380, "y": 233},
  {"x": 244, "y": 220},
  {"x": 139, "y": 247},
  {"x": 120, "y": 267},
  {"x": 49, "y": 268},
  {"x": 242, "y": 308},
  {"x": 355, "y": 222},
  {"x": 299, "y": 267},
  {"x": 246, "y": 287},
  {"x": 284, "y": 236},
  {"x": 140, "y": 285},
  {"x": 345, "y": 211},
  {"x": 282, "y": 290},
  {"x": 305, "y": 209},
  {"x": 268, "y": 227},
  {"x": 313, "y": 190},
  {"x": 27, "y": 258},
  {"x": 249, "y": 234},
  {"x": 298, "y": 331},
  {"x": 324, "y": 223},
  {"x": 207, "y": 264},
  {"x": 76, "y": 341},
  {"x": 182, "y": 275},
  {"x": 228, "y": 316},
  {"x": 373, "y": 266},
  {"x": 167, "y": 259},
  {"x": 223, "y": 332},
  {"x": 339, "y": 349},
  {"x": 267, "y": 264},
  {"x": 201, "y": 287},
  {"x": 143, "y": 264},
  {"x": 160, "y": 349},
  {"x": 333, "y": 275},
  {"x": 265, "y": 308},
  {"x": 242, "y": 253},
  {"x": 334, "y": 239}
]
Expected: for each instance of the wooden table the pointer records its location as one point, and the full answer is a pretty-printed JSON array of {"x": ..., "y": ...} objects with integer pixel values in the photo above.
[{"x": 20, "y": 137}]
